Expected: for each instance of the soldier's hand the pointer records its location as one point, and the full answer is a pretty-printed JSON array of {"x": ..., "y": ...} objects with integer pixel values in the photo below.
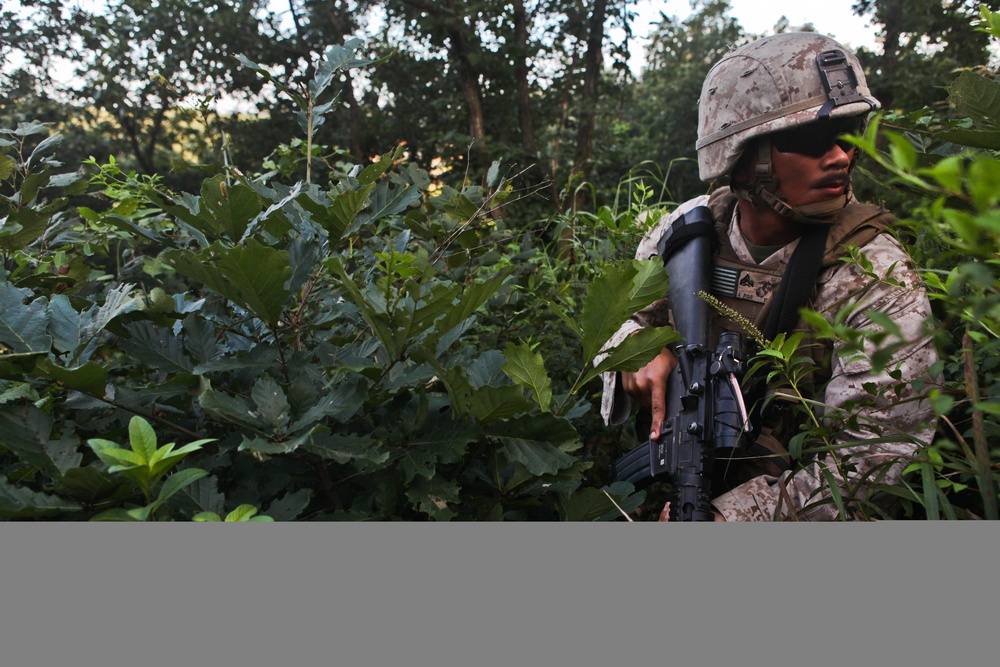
[{"x": 649, "y": 387}]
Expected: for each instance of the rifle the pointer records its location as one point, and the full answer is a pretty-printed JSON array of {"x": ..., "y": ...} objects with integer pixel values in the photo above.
[{"x": 706, "y": 415}]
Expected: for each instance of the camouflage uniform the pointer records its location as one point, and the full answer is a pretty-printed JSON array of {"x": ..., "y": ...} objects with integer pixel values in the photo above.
[
  {"x": 785, "y": 86},
  {"x": 803, "y": 492}
]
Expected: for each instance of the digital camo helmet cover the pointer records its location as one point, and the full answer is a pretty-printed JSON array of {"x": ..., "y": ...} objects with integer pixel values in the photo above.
[{"x": 773, "y": 84}]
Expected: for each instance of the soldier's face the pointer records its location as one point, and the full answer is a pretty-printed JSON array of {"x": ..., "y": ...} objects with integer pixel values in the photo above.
[
  {"x": 806, "y": 179},
  {"x": 812, "y": 162}
]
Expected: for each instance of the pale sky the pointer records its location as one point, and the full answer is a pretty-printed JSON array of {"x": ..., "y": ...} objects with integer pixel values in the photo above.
[{"x": 832, "y": 17}]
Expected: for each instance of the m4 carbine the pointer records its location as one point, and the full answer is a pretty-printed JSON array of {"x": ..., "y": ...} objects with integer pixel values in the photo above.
[{"x": 706, "y": 415}]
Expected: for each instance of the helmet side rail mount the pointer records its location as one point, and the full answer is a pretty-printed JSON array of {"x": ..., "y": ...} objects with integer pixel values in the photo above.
[{"x": 839, "y": 80}]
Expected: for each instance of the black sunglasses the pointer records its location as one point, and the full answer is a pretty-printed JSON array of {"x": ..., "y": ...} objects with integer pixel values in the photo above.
[{"x": 816, "y": 139}]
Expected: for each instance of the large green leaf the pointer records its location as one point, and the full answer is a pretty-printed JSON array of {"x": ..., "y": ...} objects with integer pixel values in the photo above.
[
  {"x": 335, "y": 59},
  {"x": 438, "y": 302},
  {"x": 486, "y": 369},
  {"x": 90, "y": 378},
  {"x": 472, "y": 298},
  {"x": 142, "y": 438},
  {"x": 178, "y": 481},
  {"x": 527, "y": 368},
  {"x": 622, "y": 289},
  {"x": 43, "y": 151},
  {"x": 18, "y": 366},
  {"x": 228, "y": 209},
  {"x": 259, "y": 357},
  {"x": 23, "y": 327},
  {"x": 489, "y": 404},
  {"x": 539, "y": 458},
  {"x": 345, "y": 448},
  {"x": 370, "y": 312},
  {"x": 536, "y": 442},
  {"x": 186, "y": 213},
  {"x": 389, "y": 200},
  {"x": 456, "y": 383},
  {"x": 24, "y": 431},
  {"x": 274, "y": 219},
  {"x": 118, "y": 302},
  {"x": 21, "y": 228},
  {"x": 131, "y": 226},
  {"x": 988, "y": 139},
  {"x": 289, "y": 506},
  {"x": 253, "y": 276},
  {"x": 201, "y": 339},
  {"x": 205, "y": 494},
  {"x": 984, "y": 186},
  {"x": 259, "y": 274},
  {"x": 340, "y": 401},
  {"x": 18, "y": 502},
  {"x": 30, "y": 187},
  {"x": 375, "y": 170},
  {"x": 978, "y": 98},
  {"x": 272, "y": 405},
  {"x": 339, "y": 216},
  {"x": 432, "y": 497},
  {"x": 66, "y": 326},
  {"x": 7, "y": 166},
  {"x": 262, "y": 445},
  {"x": 635, "y": 351},
  {"x": 445, "y": 443},
  {"x": 90, "y": 485},
  {"x": 229, "y": 408},
  {"x": 76, "y": 333},
  {"x": 157, "y": 347}
]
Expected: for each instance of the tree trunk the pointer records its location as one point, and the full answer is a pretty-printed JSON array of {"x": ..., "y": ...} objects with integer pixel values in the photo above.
[
  {"x": 893, "y": 28},
  {"x": 593, "y": 62},
  {"x": 521, "y": 70},
  {"x": 459, "y": 52}
]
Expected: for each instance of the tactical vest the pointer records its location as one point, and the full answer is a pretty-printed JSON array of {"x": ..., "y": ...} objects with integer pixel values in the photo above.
[{"x": 747, "y": 289}]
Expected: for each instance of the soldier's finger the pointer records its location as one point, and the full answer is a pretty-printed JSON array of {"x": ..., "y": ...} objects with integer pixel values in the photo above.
[{"x": 658, "y": 406}]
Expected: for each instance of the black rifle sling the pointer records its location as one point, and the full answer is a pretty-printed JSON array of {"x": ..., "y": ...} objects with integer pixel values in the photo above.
[{"x": 797, "y": 282}]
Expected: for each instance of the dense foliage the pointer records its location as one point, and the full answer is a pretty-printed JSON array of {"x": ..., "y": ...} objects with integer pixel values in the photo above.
[
  {"x": 334, "y": 351},
  {"x": 281, "y": 328}
]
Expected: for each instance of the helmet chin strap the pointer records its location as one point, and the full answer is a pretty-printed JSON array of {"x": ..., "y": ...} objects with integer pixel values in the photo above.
[{"x": 765, "y": 186}]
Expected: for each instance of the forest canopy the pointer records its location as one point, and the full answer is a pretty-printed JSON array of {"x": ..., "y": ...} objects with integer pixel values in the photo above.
[{"x": 544, "y": 85}]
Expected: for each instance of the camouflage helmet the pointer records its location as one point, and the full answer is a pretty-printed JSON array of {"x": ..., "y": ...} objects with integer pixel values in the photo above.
[{"x": 775, "y": 83}]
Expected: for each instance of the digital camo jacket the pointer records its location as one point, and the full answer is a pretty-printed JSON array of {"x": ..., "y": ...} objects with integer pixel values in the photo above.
[{"x": 878, "y": 417}]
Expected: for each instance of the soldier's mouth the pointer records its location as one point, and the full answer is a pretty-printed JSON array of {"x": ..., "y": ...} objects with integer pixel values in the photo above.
[{"x": 833, "y": 184}]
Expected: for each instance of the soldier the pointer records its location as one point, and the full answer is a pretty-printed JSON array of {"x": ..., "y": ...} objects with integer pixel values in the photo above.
[{"x": 771, "y": 118}]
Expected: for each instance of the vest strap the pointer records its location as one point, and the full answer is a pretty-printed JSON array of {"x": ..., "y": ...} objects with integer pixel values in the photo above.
[{"x": 797, "y": 282}]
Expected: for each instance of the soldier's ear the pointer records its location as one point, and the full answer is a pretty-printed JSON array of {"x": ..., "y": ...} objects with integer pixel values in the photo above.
[{"x": 743, "y": 172}]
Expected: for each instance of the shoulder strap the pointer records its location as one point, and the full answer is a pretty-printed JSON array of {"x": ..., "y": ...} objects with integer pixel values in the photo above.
[
  {"x": 797, "y": 282},
  {"x": 856, "y": 225},
  {"x": 821, "y": 246}
]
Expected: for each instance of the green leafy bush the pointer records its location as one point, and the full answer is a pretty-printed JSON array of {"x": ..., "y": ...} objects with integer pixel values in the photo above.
[{"x": 364, "y": 349}]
